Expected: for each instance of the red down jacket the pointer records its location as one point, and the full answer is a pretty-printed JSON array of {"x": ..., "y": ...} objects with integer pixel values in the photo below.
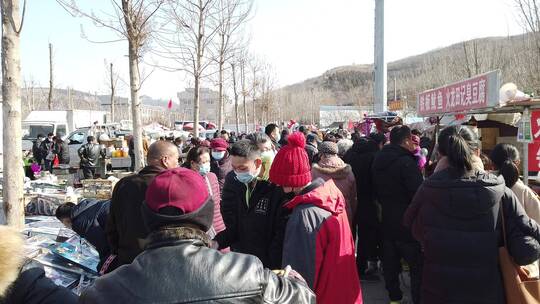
[{"x": 319, "y": 244}]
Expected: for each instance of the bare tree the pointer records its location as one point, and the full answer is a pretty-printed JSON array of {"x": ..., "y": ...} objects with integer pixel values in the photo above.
[
  {"x": 12, "y": 185},
  {"x": 51, "y": 84},
  {"x": 189, "y": 27},
  {"x": 131, "y": 21},
  {"x": 255, "y": 66},
  {"x": 231, "y": 15},
  {"x": 243, "y": 81},
  {"x": 113, "y": 84},
  {"x": 235, "y": 91}
]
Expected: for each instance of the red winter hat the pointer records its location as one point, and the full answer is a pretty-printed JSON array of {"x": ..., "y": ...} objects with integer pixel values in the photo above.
[
  {"x": 178, "y": 196},
  {"x": 219, "y": 144},
  {"x": 291, "y": 165}
]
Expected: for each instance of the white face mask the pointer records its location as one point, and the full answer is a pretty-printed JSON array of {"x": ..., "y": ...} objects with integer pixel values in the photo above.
[
  {"x": 218, "y": 155},
  {"x": 204, "y": 169}
]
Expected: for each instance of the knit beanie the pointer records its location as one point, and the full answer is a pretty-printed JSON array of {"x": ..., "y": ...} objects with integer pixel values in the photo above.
[
  {"x": 328, "y": 147},
  {"x": 178, "y": 196},
  {"x": 291, "y": 166}
]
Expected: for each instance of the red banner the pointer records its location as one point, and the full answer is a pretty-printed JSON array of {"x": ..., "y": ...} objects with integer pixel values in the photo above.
[
  {"x": 458, "y": 97},
  {"x": 534, "y": 148}
]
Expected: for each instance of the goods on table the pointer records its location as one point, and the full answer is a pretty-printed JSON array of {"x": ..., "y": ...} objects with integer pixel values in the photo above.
[{"x": 98, "y": 188}]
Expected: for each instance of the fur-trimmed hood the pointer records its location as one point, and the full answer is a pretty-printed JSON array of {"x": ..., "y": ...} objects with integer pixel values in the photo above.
[
  {"x": 11, "y": 257},
  {"x": 334, "y": 173}
]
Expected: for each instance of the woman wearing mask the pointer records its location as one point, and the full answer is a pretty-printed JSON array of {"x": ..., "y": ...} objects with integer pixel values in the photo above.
[
  {"x": 455, "y": 216},
  {"x": 220, "y": 163},
  {"x": 198, "y": 159}
]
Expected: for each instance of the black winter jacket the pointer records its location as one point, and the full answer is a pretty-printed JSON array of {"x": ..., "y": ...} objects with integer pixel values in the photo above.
[
  {"x": 360, "y": 157},
  {"x": 37, "y": 152},
  {"x": 89, "y": 155},
  {"x": 456, "y": 219},
  {"x": 396, "y": 178},
  {"x": 176, "y": 269},
  {"x": 62, "y": 150},
  {"x": 312, "y": 152},
  {"x": 33, "y": 287},
  {"x": 256, "y": 227},
  {"x": 89, "y": 220},
  {"x": 126, "y": 230}
]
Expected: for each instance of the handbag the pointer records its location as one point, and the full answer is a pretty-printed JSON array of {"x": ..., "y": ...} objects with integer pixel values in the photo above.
[{"x": 518, "y": 287}]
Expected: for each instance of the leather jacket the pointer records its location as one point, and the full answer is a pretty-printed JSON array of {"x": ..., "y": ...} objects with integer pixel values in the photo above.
[
  {"x": 178, "y": 267},
  {"x": 89, "y": 154}
]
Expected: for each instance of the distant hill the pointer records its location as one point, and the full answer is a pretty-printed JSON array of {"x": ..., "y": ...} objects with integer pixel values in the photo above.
[{"x": 515, "y": 56}]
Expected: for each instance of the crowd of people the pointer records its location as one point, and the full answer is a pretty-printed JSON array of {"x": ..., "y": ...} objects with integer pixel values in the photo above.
[{"x": 305, "y": 217}]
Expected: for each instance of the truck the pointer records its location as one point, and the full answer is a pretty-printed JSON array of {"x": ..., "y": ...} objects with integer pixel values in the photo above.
[{"x": 57, "y": 122}]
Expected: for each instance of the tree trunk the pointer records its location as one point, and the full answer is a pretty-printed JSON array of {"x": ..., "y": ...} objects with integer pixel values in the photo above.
[
  {"x": 196, "y": 103},
  {"x": 220, "y": 102},
  {"x": 235, "y": 89},
  {"x": 254, "y": 113},
  {"x": 134, "y": 83},
  {"x": 11, "y": 107},
  {"x": 197, "y": 74},
  {"x": 112, "y": 94},
  {"x": 243, "y": 81},
  {"x": 50, "y": 77},
  {"x": 221, "y": 67}
]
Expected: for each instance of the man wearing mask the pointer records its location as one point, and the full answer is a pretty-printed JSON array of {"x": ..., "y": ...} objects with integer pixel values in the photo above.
[
  {"x": 125, "y": 228},
  {"x": 252, "y": 208},
  {"x": 396, "y": 177},
  {"x": 220, "y": 163},
  {"x": 272, "y": 130}
]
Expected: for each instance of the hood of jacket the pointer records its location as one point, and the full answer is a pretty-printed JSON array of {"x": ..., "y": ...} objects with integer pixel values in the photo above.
[
  {"x": 388, "y": 155},
  {"x": 334, "y": 173},
  {"x": 11, "y": 257},
  {"x": 326, "y": 196},
  {"x": 467, "y": 196}
]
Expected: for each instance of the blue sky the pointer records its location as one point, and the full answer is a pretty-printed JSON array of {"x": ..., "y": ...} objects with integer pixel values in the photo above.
[{"x": 300, "y": 38}]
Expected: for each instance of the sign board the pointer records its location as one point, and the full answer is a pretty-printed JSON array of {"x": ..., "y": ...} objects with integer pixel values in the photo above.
[
  {"x": 525, "y": 134},
  {"x": 475, "y": 93},
  {"x": 534, "y": 147}
]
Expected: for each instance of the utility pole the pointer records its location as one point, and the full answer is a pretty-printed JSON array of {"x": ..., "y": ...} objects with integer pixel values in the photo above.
[
  {"x": 380, "y": 89},
  {"x": 50, "y": 76}
]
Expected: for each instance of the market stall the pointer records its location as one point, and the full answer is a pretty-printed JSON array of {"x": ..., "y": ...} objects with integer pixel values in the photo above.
[{"x": 476, "y": 102}]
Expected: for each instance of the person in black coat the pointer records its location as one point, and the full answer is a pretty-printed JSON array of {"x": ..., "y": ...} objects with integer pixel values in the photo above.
[
  {"x": 455, "y": 215},
  {"x": 47, "y": 150},
  {"x": 311, "y": 148},
  {"x": 24, "y": 281},
  {"x": 396, "y": 177},
  {"x": 177, "y": 265},
  {"x": 88, "y": 219},
  {"x": 61, "y": 149},
  {"x": 125, "y": 227},
  {"x": 36, "y": 149},
  {"x": 366, "y": 222},
  {"x": 252, "y": 208}
]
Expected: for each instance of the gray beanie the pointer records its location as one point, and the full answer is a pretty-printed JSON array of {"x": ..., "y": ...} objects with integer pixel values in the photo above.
[{"x": 328, "y": 147}]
